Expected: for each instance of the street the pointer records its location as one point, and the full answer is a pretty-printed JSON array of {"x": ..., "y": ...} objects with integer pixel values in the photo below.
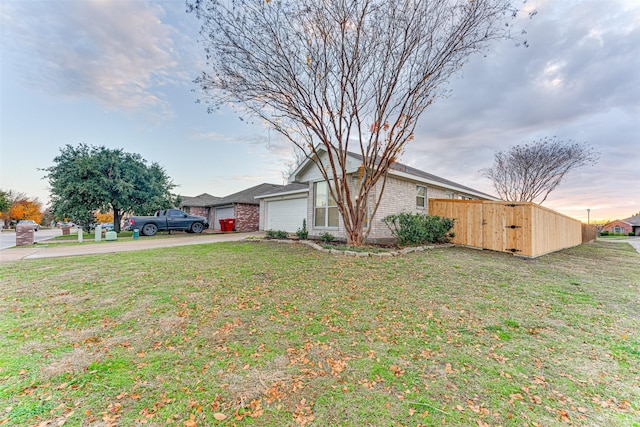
[{"x": 8, "y": 238}]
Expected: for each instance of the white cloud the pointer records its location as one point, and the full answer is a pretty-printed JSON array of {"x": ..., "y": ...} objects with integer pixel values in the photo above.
[
  {"x": 579, "y": 80},
  {"x": 120, "y": 53}
]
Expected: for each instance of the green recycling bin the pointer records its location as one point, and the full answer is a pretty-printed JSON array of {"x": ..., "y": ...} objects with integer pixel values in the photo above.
[{"x": 136, "y": 233}]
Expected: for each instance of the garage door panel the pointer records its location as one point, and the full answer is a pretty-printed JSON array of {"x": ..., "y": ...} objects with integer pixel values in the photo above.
[
  {"x": 223, "y": 213},
  {"x": 286, "y": 215}
]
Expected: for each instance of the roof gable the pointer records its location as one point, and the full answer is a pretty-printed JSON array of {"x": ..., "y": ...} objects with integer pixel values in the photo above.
[{"x": 308, "y": 171}]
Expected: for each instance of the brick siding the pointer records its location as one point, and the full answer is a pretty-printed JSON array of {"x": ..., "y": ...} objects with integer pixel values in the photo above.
[
  {"x": 627, "y": 228},
  {"x": 399, "y": 196},
  {"x": 247, "y": 217}
]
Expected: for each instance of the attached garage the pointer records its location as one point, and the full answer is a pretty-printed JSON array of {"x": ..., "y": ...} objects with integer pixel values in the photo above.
[
  {"x": 223, "y": 213},
  {"x": 285, "y": 214},
  {"x": 285, "y": 209}
]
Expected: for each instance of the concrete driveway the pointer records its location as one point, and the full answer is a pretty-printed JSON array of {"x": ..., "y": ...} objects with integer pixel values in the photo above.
[
  {"x": 633, "y": 241},
  {"x": 53, "y": 251}
]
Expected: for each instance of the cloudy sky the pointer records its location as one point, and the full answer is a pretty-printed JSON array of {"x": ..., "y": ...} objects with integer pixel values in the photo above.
[{"x": 120, "y": 73}]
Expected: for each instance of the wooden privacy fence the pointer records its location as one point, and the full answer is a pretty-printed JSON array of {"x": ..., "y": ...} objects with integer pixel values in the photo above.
[{"x": 524, "y": 229}]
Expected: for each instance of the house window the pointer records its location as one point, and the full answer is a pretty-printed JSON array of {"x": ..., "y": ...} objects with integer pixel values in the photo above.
[
  {"x": 617, "y": 229},
  {"x": 325, "y": 207},
  {"x": 421, "y": 196}
]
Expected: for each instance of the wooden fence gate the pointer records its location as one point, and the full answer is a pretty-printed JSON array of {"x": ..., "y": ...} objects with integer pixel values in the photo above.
[
  {"x": 503, "y": 227},
  {"x": 525, "y": 229}
]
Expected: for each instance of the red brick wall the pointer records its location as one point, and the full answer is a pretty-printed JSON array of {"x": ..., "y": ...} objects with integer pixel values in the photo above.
[
  {"x": 199, "y": 211},
  {"x": 247, "y": 217},
  {"x": 610, "y": 226}
]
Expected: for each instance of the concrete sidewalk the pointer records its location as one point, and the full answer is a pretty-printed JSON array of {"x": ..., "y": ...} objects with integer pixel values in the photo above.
[{"x": 52, "y": 250}]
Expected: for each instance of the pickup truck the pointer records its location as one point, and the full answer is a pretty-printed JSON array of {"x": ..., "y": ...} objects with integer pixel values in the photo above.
[{"x": 167, "y": 220}]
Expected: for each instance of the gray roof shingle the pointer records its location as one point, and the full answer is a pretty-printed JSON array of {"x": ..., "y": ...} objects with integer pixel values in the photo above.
[{"x": 247, "y": 196}]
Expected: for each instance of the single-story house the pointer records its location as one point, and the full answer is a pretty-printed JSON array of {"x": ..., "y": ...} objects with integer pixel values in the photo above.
[
  {"x": 241, "y": 206},
  {"x": 199, "y": 205},
  {"x": 624, "y": 226},
  {"x": 407, "y": 190}
]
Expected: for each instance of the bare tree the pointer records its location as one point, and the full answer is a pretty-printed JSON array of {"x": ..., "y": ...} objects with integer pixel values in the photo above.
[
  {"x": 529, "y": 172},
  {"x": 299, "y": 157},
  {"x": 334, "y": 76}
]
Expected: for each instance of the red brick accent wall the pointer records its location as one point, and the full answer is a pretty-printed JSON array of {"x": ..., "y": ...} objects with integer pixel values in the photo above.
[
  {"x": 199, "y": 211},
  {"x": 247, "y": 217},
  {"x": 610, "y": 227}
]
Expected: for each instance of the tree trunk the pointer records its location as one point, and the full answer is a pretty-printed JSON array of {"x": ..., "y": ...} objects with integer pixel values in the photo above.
[{"x": 116, "y": 220}]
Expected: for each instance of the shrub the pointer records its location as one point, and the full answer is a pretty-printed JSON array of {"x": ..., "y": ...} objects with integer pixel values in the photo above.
[
  {"x": 326, "y": 237},
  {"x": 604, "y": 233},
  {"x": 417, "y": 229},
  {"x": 631, "y": 233},
  {"x": 276, "y": 234},
  {"x": 302, "y": 233}
]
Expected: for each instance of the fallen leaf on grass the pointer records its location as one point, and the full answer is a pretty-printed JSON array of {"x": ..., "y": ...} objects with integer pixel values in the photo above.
[
  {"x": 191, "y": 422},
  {"x": 564, "y": 416},
  {"x": 219, "y": 416},
  {"x": 303, "y": 414},
  {"x": 397, "y": 370}
]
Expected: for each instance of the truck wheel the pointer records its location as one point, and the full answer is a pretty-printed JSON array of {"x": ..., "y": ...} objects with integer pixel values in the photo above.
[
  {"x": 149, "y": 229},
  {"x": 197, "y": 227}
]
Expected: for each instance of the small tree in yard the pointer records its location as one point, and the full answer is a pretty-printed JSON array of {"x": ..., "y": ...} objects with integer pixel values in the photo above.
[
  {"x": 342, "y": 75},
  {"x": 529, "y": 172}
]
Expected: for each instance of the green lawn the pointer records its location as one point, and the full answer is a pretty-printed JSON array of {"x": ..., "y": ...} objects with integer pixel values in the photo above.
[{"x": 268, "y": 334}]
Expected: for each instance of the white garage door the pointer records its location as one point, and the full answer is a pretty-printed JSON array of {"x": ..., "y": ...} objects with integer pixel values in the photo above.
[
  {"x": 286, "y": 215},
  {"x": 223, "y": 213}
]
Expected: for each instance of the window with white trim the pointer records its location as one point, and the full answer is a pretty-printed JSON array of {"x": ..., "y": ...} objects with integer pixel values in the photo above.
[
  {"x": 421, "y": 196},
  {"x": 325, "y": 207}
]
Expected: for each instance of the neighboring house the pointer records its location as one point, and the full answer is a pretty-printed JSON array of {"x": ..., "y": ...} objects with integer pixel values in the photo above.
[
  {"x": 624, "y": 226},
  {"x": 242, "y": 206},
  {"x": 407, "y": 190},
  {"x": 199, "y": 205}
]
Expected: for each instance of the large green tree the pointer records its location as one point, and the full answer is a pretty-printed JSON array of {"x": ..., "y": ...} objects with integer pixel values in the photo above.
[{"x": 85, "y": 179}]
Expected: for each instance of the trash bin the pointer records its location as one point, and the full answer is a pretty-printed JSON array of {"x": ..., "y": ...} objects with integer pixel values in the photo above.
[
  {"x": 136, "y": 233},
  {"x": 227, "y": 224}
]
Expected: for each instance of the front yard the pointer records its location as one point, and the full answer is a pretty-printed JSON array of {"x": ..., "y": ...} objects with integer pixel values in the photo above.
[{"x": 273, "y": 335}]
